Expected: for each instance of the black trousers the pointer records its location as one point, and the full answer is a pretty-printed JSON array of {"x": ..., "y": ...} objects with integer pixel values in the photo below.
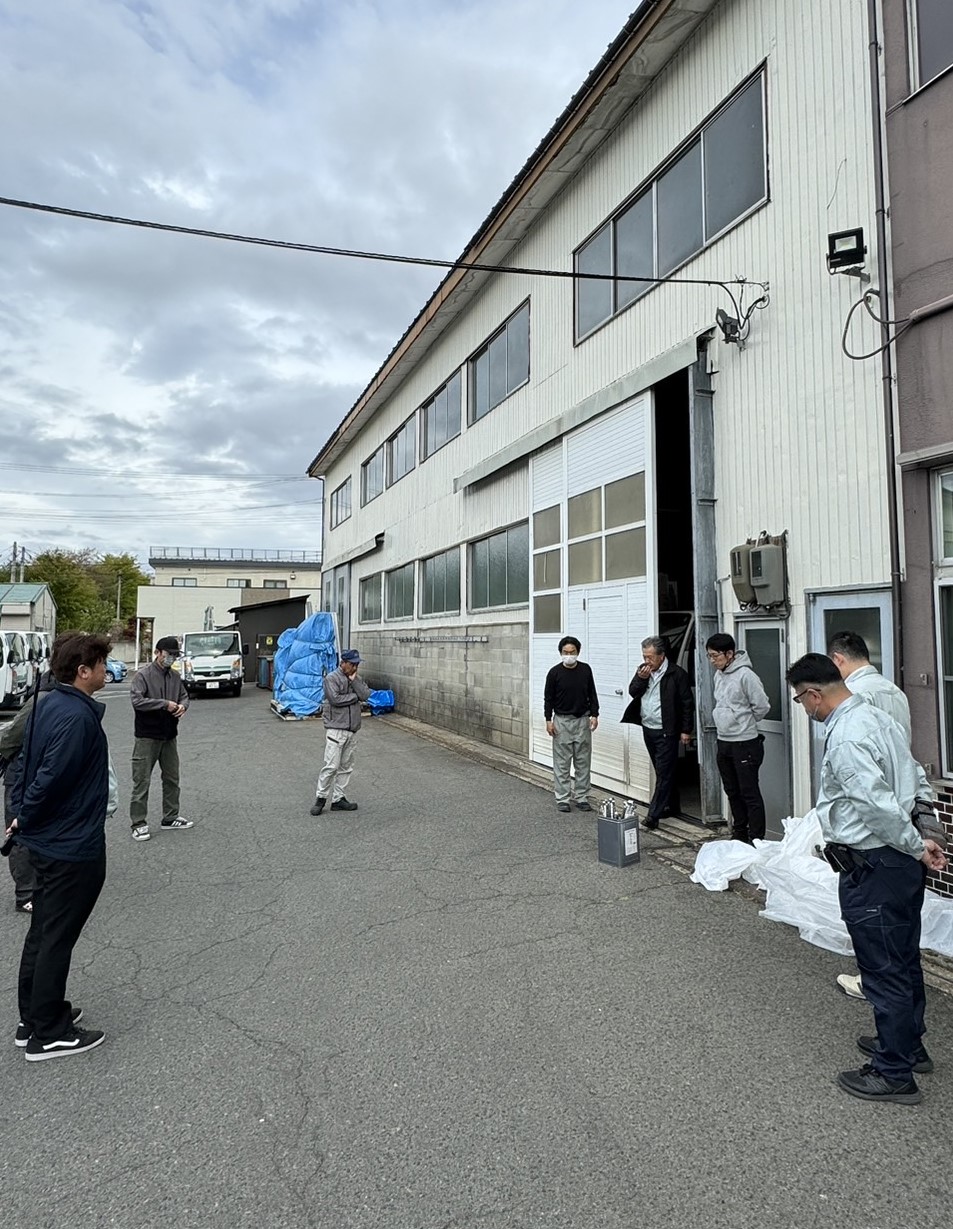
[
  {"x": 881, "y": 908},
  {"x": 663, "y": 752},
  {"x": 739, "y": 765},
  {"x": 63, "y": 899}
]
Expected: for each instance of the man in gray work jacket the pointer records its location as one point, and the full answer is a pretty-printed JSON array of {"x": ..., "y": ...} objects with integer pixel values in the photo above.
[
  {"x": 870, "y": 784},
  {"x": 740, "y": 703},
  {"x": 343, "y": 693},
  {"x": 159, "y": 699}
]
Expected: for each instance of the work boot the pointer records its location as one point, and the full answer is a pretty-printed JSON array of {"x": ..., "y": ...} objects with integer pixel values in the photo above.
[
  {"x": 318, "y": 806},
  {"x": 342, "y": 804}
]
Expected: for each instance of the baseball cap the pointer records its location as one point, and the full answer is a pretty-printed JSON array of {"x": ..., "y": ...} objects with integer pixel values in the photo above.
[
  {"x": 169, "y": 644},
  {"x": 352, "y": 656}
]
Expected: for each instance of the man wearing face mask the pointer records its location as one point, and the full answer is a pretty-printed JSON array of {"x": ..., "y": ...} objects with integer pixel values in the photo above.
[
  {"x": 571, "y": 709},
  {"x": 159, "y": 699},
  {"x": 870, "y": 784}
]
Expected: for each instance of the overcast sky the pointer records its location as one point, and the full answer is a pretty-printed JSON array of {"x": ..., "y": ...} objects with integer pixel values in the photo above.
[{"x": 130, "y": 360}]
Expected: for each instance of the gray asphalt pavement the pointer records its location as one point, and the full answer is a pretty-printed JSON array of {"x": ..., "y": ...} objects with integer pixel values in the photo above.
[{"x": 439, "y": 1012}]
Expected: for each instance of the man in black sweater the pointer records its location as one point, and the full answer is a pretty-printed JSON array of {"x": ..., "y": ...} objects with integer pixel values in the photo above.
[
  {"x": 571, "y": 709},
  {"x": 159, "y": 699},
  {"x": 663, "y": 705}
]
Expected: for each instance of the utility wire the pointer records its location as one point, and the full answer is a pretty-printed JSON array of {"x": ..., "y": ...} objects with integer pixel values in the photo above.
[
  {"x": 111, "y": 473},
  {"x": 355, "y": 254}
]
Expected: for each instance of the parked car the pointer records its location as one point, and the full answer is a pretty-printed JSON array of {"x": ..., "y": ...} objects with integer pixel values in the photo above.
[
  {"x": 15, "y": 670},
  {"x": 116, "y": 670}
]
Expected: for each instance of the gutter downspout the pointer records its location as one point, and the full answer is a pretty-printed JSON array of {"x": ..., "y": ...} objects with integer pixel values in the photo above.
[{"x": 886, "y": 358}]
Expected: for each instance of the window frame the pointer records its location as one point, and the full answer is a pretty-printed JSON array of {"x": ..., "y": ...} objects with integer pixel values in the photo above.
[
  {"x": 942, "y": 586},
  {"x": 274, "y": 584},
  {"x": 422, "y": 585},
  {"x": 484, "y": 348},
  {"x": 917, "y": 79},
  {"x": 389, "y": 479},
  {"x": 508, "y": 605},
  {"x": 650, "y": 185},
  {"x": 334, "y": 504},
  {"x": 185, "y": 582},
  {"x": 364, "y": 582},
  {"x": 238, "y": 582},
  {"x": 431, "y": 402},
  {"x": 385, "y": 597},
  {"x": 378, "y": 452}
]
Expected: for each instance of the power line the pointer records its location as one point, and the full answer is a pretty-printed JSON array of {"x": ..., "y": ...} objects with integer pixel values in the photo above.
[
  {"x": 356, "y": 254},
  {"x": 149, "y": 474}
]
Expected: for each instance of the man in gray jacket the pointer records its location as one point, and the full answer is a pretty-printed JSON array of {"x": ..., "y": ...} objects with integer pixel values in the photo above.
[
  {"x": 343, "y": 693},
  {"x": 740, "y": 703}
]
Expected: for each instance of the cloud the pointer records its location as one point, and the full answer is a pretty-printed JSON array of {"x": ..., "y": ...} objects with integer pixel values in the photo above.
[{"x": 390, "y": 126}]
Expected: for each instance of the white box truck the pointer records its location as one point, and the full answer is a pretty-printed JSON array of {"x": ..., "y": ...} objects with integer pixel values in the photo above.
[{"x": 212, "y": 662}]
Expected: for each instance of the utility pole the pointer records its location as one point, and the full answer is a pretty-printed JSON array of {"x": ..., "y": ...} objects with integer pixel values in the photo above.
[
  {"x": 13, "y": 565},
  {"x": 118, "y": 594},
  {"x": 22, "y": 562}
]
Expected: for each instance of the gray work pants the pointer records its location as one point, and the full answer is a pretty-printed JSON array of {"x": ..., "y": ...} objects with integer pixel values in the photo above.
[
  {"x": 572, "y": 744},
  {"x": 338, "y": 763},
  {"x": 146, "y": 752}
]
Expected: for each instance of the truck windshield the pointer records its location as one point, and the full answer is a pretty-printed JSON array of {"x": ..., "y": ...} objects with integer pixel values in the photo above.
[{"x": 211, "y": 644}]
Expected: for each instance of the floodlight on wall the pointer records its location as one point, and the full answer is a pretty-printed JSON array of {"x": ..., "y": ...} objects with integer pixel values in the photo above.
[{"x": 847, "y": 253}]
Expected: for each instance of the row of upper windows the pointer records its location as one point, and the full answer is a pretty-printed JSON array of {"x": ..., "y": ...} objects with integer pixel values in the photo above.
[
  {"x": 714, "y": 180},
  {"x": 233, "y": 582}
]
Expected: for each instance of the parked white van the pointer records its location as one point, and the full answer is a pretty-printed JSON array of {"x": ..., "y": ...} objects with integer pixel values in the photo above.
[
  {"x": 15, "y": 670},
  {"x": 212, "y": 661}
]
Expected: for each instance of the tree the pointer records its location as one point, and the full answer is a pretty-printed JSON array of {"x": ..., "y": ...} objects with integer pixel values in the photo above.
[{"x": 85, "y": 587}]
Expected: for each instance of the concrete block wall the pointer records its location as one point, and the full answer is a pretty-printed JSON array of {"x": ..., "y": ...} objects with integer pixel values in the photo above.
[
  {"x": 943, "y": 881},
  {"x": 469, "y": 680}
]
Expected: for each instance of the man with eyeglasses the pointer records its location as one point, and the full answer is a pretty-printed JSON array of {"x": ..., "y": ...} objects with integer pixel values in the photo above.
[
  {"x": 740, "y": 703},
  {"x": 870, "y": 784}
]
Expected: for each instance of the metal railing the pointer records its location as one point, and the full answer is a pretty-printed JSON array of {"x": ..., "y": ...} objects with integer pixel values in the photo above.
[{"x": 234, "y": 554}]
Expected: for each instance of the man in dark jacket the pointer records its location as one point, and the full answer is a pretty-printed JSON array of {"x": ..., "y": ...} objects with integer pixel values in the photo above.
[
  {"x": 60, "y": 802},
  {"x": 159, "y": 698},
  {"x": 663, "y": 705},
  {"x": 571, "y": 709}
]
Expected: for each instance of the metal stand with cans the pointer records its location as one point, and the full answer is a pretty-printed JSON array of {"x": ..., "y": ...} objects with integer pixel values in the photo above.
[{"x": 618, "y": 834}]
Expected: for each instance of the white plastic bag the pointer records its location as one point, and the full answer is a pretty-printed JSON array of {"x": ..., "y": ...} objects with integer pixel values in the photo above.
[{"x": 718, "y": 862}]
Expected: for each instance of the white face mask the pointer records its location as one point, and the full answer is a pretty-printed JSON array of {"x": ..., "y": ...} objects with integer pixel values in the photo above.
[{"x": 569, "y": 660}]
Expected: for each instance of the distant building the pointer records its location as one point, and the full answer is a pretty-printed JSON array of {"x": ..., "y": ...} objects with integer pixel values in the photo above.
[
  {"x": 27, "y": 608},
  {"x": 196, "y": 585}
]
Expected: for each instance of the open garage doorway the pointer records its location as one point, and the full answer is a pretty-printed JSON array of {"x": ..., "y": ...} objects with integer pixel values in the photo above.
[{"x": 675, "y": 551}]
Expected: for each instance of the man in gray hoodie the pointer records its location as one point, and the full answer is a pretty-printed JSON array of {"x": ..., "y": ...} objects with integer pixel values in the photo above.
[{"x": 740, "y": 703}]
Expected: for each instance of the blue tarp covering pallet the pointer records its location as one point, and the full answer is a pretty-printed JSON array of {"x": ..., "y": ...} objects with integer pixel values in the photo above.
[{"x": 305, "y": 654}]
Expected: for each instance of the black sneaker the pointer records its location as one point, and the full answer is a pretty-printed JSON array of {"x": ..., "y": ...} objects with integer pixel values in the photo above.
[
  {"x": 922, "y": 1062},
  {"x": 583, "y": 806},
  {"x": 318, "y": 806},
  {"x": 73, "y": 1041},
  {"x": 563, "y": 806},
  {"x": 342, "y": 804},
  {"x": 870, "y": 1085},
  {"x": 649, "y": 824},
  {"x": 24, "y": 1032}
]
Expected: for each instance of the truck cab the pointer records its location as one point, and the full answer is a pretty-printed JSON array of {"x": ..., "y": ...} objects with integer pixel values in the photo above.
[
  {"x": 212, "y": 662},
  {"x": 15, "y": 670}
]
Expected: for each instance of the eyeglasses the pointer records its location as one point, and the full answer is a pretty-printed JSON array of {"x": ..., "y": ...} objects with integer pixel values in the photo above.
[
  {"x": 713, "y": 656},
  {"x": 799, "y": 695}
]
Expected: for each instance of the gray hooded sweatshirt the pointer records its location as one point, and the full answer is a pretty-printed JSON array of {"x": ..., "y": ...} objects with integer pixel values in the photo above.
[{"x": 740, "y": 701}]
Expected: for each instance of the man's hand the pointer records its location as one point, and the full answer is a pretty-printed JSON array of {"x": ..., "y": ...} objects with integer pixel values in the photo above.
[
  {"x": 686, "y": 739},
  {"x": 644, "y": 671},
  {"x": 551, "y": 729},
  {"x": 933, "y": 856},
  {"x": 593, "y": 723},
  {"x": 177, "y": 710},
  {"x": 10, "y": 831}
]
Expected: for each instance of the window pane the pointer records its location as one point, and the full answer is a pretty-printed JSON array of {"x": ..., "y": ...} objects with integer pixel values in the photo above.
[
  {"x": 585, "y": 562},
  {"x": 546, "y": 570},
  {"x": 517, "y": 564},
  {"x": 479, "y": 574},
  {"x": 680, "y": 210},
  {"x": 585, "y": 513},
  {"x": 625, "y": 501},
  {"x": 517, "y": 350},
  {"x": 440, "y": 417},
  {"x": 934, "y": 37},
  {"x": 453, "y": 407},
  {"x": 546, "y": 526},
  {"x": 453, "y": 580},
  {"x": 734, "y": 160},
  {"x": 497, "y": 355},
  {"x": 497, "y": 582},
  {"x": 635, "y": 249},
  {"x": 865, "y": 621},
  {"x": 371, "y": 599},
  {"x": 481, "y": 384},
  {"x": 594, "y": 299},
  {"x": 946, "y": 651},
  {"x": 547, "y": 613},
  {"x": 625, "y": 554},
  {"x": 946, "y": 515}
]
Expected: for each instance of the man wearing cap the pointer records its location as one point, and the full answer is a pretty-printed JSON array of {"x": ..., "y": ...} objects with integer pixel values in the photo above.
[
  {"x": 343, "y": 693},
  {"x": 159, "y": 699}
]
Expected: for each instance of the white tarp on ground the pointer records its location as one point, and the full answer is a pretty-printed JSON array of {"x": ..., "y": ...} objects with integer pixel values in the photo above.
[{"x": 802, "y": 889}]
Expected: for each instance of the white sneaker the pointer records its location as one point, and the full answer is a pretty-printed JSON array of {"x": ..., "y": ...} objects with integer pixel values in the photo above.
[
  {"x": 141, "y": 832},
  {"x": 177, "y": 824},
  {"x": 851, "y": 986}
]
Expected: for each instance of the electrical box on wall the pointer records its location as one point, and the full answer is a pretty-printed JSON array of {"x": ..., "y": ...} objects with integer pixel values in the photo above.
[
  {"x": 741, "y": 573},
  {"x": 768, "y": 574}
]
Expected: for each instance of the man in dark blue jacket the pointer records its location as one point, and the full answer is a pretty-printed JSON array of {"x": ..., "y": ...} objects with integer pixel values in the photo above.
[{"x": 60, "y": 802}]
